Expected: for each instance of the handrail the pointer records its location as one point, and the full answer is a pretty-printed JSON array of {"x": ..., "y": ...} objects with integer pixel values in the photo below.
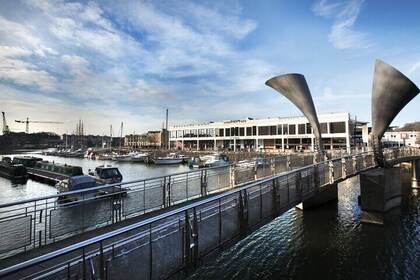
[
  {"x": 131, "y": 182},
  {"x": 114, "y": 233},
  {"x": 102, "y": 237}
]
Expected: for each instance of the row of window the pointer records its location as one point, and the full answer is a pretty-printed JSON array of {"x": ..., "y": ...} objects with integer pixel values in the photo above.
[{"x": 281, "y": 129}]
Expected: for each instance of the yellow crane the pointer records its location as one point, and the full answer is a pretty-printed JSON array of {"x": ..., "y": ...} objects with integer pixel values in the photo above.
[{"x": 28, "y": 121}]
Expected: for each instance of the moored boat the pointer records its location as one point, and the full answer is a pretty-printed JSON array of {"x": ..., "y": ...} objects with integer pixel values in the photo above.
[
  {"x": 76, "y": 183},
  {"x": 12, "y": 171},
  {"x": 139, "y": 157},
  {"x": 170, "y": 159},
  {"x": 27, "y": 161},
  {"x": 126, "y": 157},
  {"x": 52, "y": 172},
  {"x": 106, "y": 174},
  {"x": 216, "y": 160}
]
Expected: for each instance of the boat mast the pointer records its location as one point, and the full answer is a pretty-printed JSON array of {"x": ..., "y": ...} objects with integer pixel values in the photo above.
[{"x": 122, "y": 124}]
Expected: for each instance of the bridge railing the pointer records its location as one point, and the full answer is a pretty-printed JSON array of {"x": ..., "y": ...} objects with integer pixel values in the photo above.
[
  {"x": 29, "y": 224},
  {"x": 174, "y": 241}
]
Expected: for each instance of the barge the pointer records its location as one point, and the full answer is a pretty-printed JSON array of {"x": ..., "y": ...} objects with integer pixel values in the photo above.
[
  {"x": 52, "y": 172},
  {"x": 15, "y": 172}
]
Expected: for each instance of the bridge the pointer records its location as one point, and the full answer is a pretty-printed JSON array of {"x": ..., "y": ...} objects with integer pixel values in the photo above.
[
  {"x": 187, "y": 216},
  {"x": 167, "y": 225}
]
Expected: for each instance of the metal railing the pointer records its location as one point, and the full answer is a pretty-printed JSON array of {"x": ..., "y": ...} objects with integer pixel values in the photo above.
[
  {"x": 29, "y": 224},
  {"x": 175, "y": 240}
]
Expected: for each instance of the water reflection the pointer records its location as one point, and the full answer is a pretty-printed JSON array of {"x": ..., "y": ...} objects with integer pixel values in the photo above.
[
  {"x": 13, "y": 191},
  {"x": 329, "y": 242}
]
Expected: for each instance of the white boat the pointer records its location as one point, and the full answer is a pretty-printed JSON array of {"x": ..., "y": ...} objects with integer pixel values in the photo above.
[
  {"x": 216, "y": 160},
  {"x": 139, "y": 157},
  {"x": 103, "y": 157},
  {"x": 170, "y": 159},
  {"x": 122, "y": 157}
]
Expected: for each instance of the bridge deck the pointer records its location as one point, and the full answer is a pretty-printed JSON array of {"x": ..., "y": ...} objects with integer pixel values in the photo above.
[{"x": 25, "y": 256}]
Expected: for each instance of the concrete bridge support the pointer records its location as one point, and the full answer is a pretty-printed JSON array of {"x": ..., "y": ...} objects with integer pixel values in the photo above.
[
  {"x": 326, "y": 194},
  {"x": 380, "y": 192},
  {"x": 415, "y": 166}
]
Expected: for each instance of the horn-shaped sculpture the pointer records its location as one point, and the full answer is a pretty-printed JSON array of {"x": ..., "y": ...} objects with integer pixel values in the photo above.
[
  {"x": 391, "y": 91},
  {"x": 295, "y": 88}
]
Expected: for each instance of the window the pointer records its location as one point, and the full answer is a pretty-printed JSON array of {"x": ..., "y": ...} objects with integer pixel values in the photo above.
[
  {"x": 285, "y": 129},
  {"x": 280, "y": 129},
  {"x": 227, "y": 131},
  {"x": 273, "y": 130},
  {"x": 249, "y": 131},
  {"x": 308, "y": 128},
  {"x": 241, "y": 131},
  {"x": 221, "y": 132},
  {"x": 292, "y": 129},
  {"x": 263, "y": 130},
  {"x": 323, "y": 128},
  {"x": 301, "y": 128},
  {"x": 337, "y": 127}
]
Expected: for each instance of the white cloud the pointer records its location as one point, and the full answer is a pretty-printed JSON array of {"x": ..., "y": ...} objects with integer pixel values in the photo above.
[
  {"x": 325, "y": 9},
  {"x": 14, "y": 68},
  {"x": 414, "y": 68},
  {"x": 342, "y": 35}
]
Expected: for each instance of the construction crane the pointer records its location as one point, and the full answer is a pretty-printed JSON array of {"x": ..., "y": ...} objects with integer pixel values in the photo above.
[
  {"x": 6, "y": 129},
  {"x": 28, "y": 121}
]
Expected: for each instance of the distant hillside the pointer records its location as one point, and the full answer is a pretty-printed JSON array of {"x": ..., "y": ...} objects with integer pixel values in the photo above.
[{"x": 415, "y": 126}]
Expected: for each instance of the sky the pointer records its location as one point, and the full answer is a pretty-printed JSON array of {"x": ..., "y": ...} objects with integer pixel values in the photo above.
[{"x": 112, "y": 62}]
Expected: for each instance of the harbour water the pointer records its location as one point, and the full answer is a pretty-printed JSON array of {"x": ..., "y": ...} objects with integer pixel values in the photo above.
[
  {"x": 329, "y": 242},
  {"x": 11, "y": 192}
]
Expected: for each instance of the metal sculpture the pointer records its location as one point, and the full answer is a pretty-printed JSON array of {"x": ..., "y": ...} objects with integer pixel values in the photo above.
[
  {"x": 391, "y": 91},
  {"x": 295, "y": 88}
]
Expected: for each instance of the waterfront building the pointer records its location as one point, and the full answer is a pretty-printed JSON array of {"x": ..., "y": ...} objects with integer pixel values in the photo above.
[
  {"x": 401, "y": 138},
  {"x": 279, "y": 133},
  {"x": 149, "y": 140}
]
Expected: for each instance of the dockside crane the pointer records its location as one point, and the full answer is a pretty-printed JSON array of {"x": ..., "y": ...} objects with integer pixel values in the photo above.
[
  {"x": 28, "y": 121},
  {"x": 6, "y": 129}
]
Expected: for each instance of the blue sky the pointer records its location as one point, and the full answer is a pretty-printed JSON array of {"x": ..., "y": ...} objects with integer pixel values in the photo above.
[{"x": 108, "y": 62}]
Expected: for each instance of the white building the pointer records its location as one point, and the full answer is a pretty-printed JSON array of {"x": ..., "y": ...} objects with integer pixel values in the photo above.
[
  {"x": 401, "y": 138},
  {"x": 289, "y": 133}
]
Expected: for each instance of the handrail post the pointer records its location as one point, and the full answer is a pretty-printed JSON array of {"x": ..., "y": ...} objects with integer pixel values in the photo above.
[
  {"x": 364, "y": 161},
  {"x": 272, "y": 166},
  {"x": 276, "y": 198},
  {"x": 331, "y": 171},
  {"x": 354, "y": 160},
  {"x": 343, "y": 168},
  {"x": 298, "y": 187},
  {"x": 232, "y": 175},
  {"x": 203, "y": 183},
  {"x": 317, "y": 180},
  {"x": 243, "y": 213}
]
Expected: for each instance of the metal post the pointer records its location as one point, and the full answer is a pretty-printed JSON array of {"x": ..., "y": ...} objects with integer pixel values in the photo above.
[
  {"x": 203, "y": 182},
  {"x": 316, "y": 177},
  {"x": 331, "y": 171},
  {"x": 273, "y": 166},
  {"x": 415, "y": 166},
  {"x": 232, "y": 175},
  {"x": 354, "y": 158},
  {"x": 343, "y": 168},
  {"x": 298, "y": 187},
  {"x": 364, "y": 161},
  {"x": 243, "y": 213}
]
